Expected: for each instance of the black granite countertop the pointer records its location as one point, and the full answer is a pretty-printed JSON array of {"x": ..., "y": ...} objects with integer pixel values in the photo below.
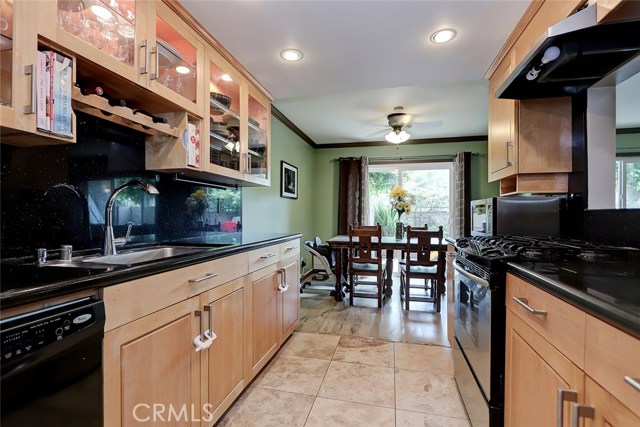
[
  {"x": 608, "y": 290},
  {"x": 22, "y": 281}
]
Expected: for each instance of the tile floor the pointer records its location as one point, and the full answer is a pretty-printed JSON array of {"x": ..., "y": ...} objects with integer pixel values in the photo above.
[{"x": 323, "y": 380}]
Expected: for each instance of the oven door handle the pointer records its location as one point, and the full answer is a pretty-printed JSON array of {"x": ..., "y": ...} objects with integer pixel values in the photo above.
[{"x": 473, "y": 277}]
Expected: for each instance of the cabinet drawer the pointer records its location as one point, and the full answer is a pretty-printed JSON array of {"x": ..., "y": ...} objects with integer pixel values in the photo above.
[
  {"x": 263, "y": 257},
  {"x": 290, "y": 249},
  {"x": 132, "y": 300},
  {"x": 610, "y": 355},
  {"x": 563, "y": 325}
]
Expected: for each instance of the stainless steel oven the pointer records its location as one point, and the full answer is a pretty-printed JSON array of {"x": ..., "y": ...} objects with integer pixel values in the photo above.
[{"x": 479, "y": 336}]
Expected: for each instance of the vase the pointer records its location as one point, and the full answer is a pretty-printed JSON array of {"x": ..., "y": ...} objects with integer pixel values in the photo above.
[{"x": 399, "y": 230}]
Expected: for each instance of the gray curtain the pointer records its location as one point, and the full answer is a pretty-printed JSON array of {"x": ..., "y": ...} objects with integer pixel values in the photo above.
[
  {"x": 353, "y": 194},
  {"x": 462, "y": 177}
]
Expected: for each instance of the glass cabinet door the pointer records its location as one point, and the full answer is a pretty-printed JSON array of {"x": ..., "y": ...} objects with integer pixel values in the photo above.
[
  {"x": 6, "y": 53},
  {"x": 175, "y": 61},
  {"x": 107, "y": 25},
  {"x": 258, "y": 144},
  {"x": 224, "y": 120}
]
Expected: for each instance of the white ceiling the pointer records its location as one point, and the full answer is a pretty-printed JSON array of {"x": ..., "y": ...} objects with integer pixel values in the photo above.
[{"x": 362, "y": 58}]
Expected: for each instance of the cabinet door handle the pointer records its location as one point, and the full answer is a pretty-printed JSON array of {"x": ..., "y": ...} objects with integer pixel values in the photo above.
[
  {"x": 509, "y": 162},
  {"x": 269, "y": 255},
  {"x": 154, "y": 51},
  {"x": 144, "y": 45},
  {"x": 578, "y": 411},
  {"x": 564, "y": 395},
  {"x": 209, "y": 309},
  {"x": 282, "y": 286},
  {"x": 198, "y": 314},
  {"x": 632, "y": 382},
  {"x": 525, "y": 303},
  {"x": 30, "y": 70},
  {"x": 203, "y": 278}
]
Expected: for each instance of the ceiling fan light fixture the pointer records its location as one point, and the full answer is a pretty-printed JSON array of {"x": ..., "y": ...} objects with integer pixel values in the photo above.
[
  {"x": 291, "y": 55},
  {"x": 443, "y": 36},
  {"x": 397, "y": 136}
]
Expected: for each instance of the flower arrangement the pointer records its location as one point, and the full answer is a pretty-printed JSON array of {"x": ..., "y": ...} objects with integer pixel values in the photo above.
[
  {"x": 197, "y": 204},
  {"x": 401, "y": 201}
]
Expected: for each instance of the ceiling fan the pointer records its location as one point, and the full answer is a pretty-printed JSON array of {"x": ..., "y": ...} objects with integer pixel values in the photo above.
[{"x": 398, "y": 121}]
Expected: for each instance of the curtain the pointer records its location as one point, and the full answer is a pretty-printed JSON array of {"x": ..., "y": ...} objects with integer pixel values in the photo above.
[
  {"x": 462, "y": 177},
  {"x": 353, "y": 193}
]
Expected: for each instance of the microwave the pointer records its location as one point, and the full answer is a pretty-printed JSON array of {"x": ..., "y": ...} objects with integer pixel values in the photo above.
[{"x": 536, "y": 216}]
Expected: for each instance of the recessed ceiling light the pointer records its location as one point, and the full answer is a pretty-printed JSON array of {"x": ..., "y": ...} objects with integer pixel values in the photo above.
[
  {"x": 226, "y": 78},
  {"x": 443, "y": 36},
  {"x": 291, "y": 55}
]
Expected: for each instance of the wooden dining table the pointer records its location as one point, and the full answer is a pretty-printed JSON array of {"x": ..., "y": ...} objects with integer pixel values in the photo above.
[{"x": 388, "y": 244}]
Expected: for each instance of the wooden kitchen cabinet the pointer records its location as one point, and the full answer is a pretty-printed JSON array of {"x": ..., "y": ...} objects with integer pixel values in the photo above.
[
  {"x": 534, "y": 372},
  {"x": 529, "y": 146},
  {"x": 223, "y": 374},
  {"x": 152, "y": 361},
  {"x": 290, "y": 297},
  {"x": 264, "y": 327},
  {"x": 18, "y": 62},
  {"x": 565, "y": 349}
]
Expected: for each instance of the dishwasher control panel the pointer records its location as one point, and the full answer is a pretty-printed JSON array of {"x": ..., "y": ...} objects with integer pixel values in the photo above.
[{"x": 26, "y": 333}]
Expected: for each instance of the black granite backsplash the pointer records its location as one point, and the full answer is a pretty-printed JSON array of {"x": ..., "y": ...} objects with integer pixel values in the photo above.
[
  {"x": 618, "y": 227},
  {"x": 56, "y": 195}
]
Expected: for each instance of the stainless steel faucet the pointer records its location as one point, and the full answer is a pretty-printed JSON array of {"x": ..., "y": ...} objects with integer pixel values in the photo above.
[{"x": 110, "y": 243}]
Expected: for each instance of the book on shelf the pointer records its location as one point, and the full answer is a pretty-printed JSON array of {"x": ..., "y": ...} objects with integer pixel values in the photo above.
[{"x": 54, "y": 75}]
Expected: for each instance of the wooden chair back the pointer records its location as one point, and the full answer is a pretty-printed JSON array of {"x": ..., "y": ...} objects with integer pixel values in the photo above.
[
  {"x": 365, "y": 244},
  {"x": 425, "y": 244}
]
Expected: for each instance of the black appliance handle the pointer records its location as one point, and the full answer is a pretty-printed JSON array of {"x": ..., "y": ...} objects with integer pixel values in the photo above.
[{"x": 473, "y": 277}]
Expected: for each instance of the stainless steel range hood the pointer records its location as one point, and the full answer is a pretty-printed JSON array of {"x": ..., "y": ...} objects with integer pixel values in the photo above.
[{"x": 575, "y": 54}]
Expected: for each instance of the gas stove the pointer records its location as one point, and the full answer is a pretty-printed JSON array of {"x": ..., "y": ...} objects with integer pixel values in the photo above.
[{"x": 485, "y": 255}]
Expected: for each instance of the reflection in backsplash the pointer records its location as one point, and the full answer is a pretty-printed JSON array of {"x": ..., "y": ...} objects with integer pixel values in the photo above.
[{"x": 57, "y": 194}]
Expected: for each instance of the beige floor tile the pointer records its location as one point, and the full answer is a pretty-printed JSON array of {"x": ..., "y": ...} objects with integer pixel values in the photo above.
[
  {"x": 294, "y": 374},
  {"x": 366, "y": 351},
  {"x": 429, "y": 393},
  {"x": 335, "y": 413},
  {"x": 315, "y": 346},
  {"x": 430, "y": 358},
  {"x": 260, "y": 407},
  {"x": 416, "y": 419},
  {"x": 352, "y": 382}
]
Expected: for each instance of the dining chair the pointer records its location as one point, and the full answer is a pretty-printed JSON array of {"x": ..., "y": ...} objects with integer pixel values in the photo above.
[
  {"x": 365, "y": 259},
  {"x": 419, "y": 264}
]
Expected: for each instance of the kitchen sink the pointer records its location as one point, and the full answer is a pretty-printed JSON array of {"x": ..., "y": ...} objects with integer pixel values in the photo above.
[{"x": 140, "y": 256}]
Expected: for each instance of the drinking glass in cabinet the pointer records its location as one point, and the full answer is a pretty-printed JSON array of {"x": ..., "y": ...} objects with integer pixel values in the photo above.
[
  {"x": 108, "y": 25},
  {"x": 175, "y": 61}
]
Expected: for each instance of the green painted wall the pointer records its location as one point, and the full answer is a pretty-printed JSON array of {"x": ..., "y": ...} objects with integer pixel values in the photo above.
[
  {"x": 625, "y": 142},
  {"x": 325, "y": 202},
  {"x": 314, "y": 212},
  {"x": 263, "y": 209}
]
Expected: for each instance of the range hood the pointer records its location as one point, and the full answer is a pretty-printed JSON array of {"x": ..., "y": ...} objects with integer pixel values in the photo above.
[{"x": 575, "y": 54}]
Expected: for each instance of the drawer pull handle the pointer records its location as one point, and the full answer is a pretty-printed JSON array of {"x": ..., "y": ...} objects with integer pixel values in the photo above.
[
  {"x": 632, "y": 382},
  {"x": 580, "y": 411},
  {"x": 564, "y": 395},
  {"x": 290, "y": 248},
  {"x": 203, "y": 278},
  {"x": 525, "y": 303},
  {"x": 269, "y": 255}
]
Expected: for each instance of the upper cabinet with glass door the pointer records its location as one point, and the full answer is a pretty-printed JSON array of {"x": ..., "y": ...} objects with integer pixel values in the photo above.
[
  {"x": 176, "y": 59},
  {"x": 258, "y": 149},
  {"x": 110, "y": 33},
  {"x": 224, "y": 118}
]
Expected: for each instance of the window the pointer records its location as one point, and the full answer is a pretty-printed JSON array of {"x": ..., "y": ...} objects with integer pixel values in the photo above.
[
  {"x": 430, "y": 183},
  {"x": 627, "y": 182}
]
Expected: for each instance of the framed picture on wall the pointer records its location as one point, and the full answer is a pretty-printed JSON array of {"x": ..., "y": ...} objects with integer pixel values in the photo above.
[{"x": 288, "y": 180}]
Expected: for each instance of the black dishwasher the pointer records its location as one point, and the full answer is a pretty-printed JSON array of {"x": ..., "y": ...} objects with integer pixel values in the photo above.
[{"x": 52, "y": 366}]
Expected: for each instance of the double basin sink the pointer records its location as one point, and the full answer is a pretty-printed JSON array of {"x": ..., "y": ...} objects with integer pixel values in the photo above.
[{"x": 132, "y": 257}]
